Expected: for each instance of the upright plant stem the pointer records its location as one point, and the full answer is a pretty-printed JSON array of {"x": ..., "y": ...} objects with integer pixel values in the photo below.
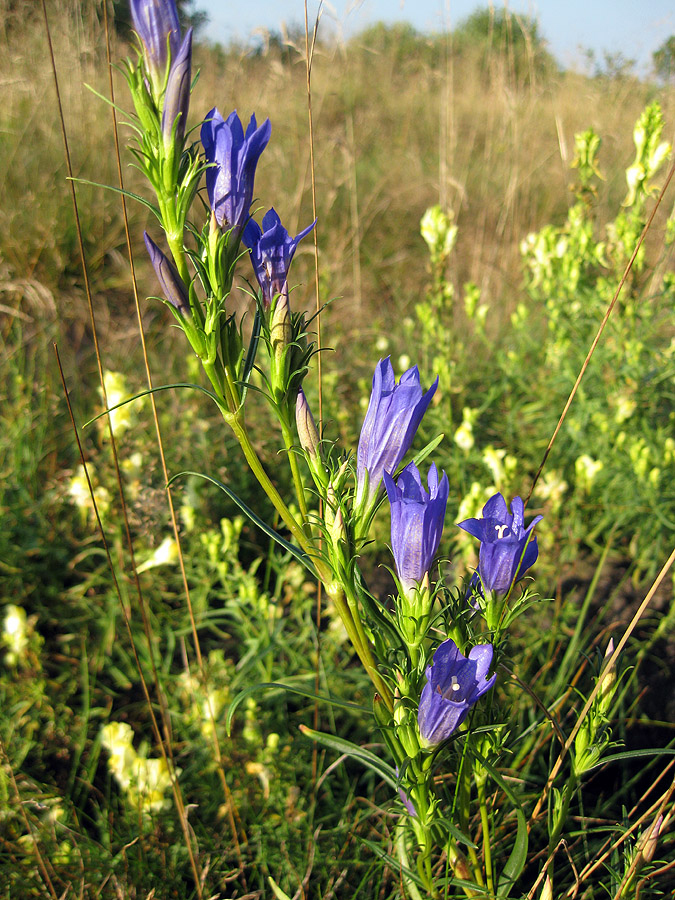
[
  {"x": 487, "y": 849},
  {"x": 295, "y": 470}
]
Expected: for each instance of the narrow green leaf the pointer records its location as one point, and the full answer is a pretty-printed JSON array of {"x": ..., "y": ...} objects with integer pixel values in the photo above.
[
  {"x": 280, "y": 686},
  {"x": 278, "y": 893},
  {"x": 454, "y": 831},
  {"x": 633, "y": 754},
  {"x": 155, "y": 390},
  {"x": 425, "y": 451},
  {"x": 394, "y": 864},
  {"x": 125, "y": 193},
  {"x": 301, "y": 557},
  {"x": 251, "y": 353},
  {"x": 381, "y": 768}
]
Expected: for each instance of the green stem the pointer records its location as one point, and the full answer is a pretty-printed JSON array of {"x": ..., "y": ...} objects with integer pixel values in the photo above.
[
  {"x": 485, "y": 822},
  {"x": 464, "y": 801},
  {"x": 178, "y": 253},
  {"x": 221, "y": 381},
  {"x": 422, "y": 795},
  {"x": 349, "y": 614},
  {"x": 475, "y": 865},
  {"x": 240, "y": 432},
  {"x": 295, "y": 469},
  {"x": 174, "y": 235}
]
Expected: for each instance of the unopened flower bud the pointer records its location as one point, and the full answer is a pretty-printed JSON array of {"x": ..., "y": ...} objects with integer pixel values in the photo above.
[
  {"x": 607, "y": 678},
  {"x": 381, "y": 713},
  {"x": 547, "y": 890},
  {"x": 281, "y": 336},
  {"x": 459, "y": 863},
  {"x": 280, "y": 327},
  {"x": 169, "y": 279},
  {"x": 333, "y": 518},
  {"x": 307, "y": 430},
  {"x": 177, "y": 96},
  {"x": 400, "y": 714},
  {"x": 158, "y": 27},
  {"x": 338, "y": 532},
  {"x": 649, "y": 839}
]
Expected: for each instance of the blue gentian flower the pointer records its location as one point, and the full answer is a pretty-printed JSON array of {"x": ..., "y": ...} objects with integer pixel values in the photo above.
[
  {"x": 272, "y": 250},
  {"x": 393, "y": 417},
  {"x": 234, "y": 157},
  {"x": 416, "y": 521},
  {"x": 454, "y": 683},
  {"x": 507, "y": 549},
  {"x": 169, "y": 279},
  {"x": 156, "y": 24},
  {"x": 177, "y": 96}
]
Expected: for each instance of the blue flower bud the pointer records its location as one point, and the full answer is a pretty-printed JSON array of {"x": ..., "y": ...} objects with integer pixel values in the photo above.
[
  {"x": 177, "y": 96},
  {"x": 156, "y": 23},
  {"x": 169, "y": 279},
  {"x": 416, "y": 521}
]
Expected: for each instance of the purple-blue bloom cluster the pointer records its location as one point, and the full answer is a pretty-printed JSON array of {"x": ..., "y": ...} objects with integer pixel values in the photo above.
[
  {"x": 272, "y": 250},
  {"x": 507, "y": 549},
  {"x": 454, "y": 683},
  {"x": 416, "y": 521},
  {"x": 156, "y": 24},
  {"x": 233, "y": 157},
  {"x": 393, "y": 417}
]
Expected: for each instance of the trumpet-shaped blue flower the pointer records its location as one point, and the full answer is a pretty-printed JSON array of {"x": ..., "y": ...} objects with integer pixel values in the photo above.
[
  {"x": 272, "y": 250},
  {"x": 393, "y": 417},
  {"x": 169, "y": 279},
  {"x": 454, "y": 683},
  {"x": 507, "y": 549},
  {"x": 156, "y": 24},
  {"x": 416, "y": 521},
  {"x": 233, "y": 156},
  {"x": 177, "y": 96}
]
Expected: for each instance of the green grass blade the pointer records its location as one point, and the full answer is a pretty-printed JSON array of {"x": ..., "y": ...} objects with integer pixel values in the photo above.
[
  {"x": 291, "y": 689},
  {"x": 516, "y": 861},
  {"x": 125, "y": 193},
  {"x": 419, "y": 458},
  {"x": 154, "y": 390},
  {"x": 296, "y": 552},
  {"x": 368, "y": 759},
  {"x": 633, "y": 754}
]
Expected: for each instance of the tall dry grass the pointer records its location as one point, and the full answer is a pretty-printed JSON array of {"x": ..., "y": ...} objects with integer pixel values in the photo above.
[{"x": 394, "y": 134}]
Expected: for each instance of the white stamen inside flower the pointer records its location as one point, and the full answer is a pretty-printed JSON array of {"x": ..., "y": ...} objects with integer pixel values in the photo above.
[
  {"x": 452, "y": 688},
  {"x": 500, "y": 529}
]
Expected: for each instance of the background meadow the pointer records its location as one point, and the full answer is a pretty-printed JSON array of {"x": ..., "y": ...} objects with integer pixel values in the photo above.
[{"x": 501, "y": 296}]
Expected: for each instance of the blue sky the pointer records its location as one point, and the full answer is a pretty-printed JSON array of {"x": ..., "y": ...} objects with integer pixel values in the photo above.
[{"x": 634, "y": 28}]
